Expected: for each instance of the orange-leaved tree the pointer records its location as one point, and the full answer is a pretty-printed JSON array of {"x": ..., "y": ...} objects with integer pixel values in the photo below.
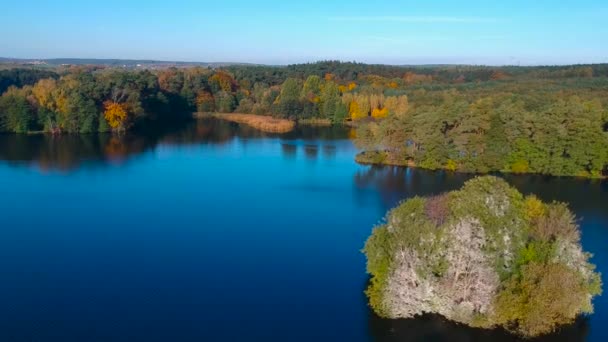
[
  {"x": 115, "y": 114},
  {"x": 205, "y": 102}
]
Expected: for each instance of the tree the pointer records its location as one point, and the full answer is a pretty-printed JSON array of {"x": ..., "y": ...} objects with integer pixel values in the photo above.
[
  {"x": 222, "y": 81},
  {"x": 43, "y": 92},
  {"x": 330, "y": 98},
  {"x": 224, "y": 102},
  {"x": 341, "y": 113},
  {"x": 171, "y": 80},
  {"x": 311, "y": 89},
  {"x": 289, "y": 99},
  {"x": 115, "y": 114},
  {"x": 396, "y": 105},
  {"x": 16, "y": 114},
  {"x": 205, "y": 102},
  {"x": 543, "y": 298},
  {"x": 379, "y": 113}
]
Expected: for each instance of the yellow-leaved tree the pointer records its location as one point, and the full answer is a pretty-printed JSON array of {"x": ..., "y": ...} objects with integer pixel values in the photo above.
[
  {"x": 378, "y": 113},
  {"x": 355, "y": 111},
  {"x": 115, "y": 114},
  {"x": 43, "y": 92}
]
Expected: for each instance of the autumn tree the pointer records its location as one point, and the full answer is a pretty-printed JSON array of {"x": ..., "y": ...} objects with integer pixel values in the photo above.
[
  {"x": 379, "y": 113},
  {"x": 205, "y": 102},
  {"x": 396, "y": 105},
  {"x": 171, "y": 80},
  {"x": 311, "y": 90},
  {"x": 116, "y": 115},
  {"x": 222, "y": 81},
  {"x": 43, "y": 91}
]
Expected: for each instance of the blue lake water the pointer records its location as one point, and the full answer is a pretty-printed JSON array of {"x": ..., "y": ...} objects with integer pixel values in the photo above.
[{"x": 216, "y": 232}]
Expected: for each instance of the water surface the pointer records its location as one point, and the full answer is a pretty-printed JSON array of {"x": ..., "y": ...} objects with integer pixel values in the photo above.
[{"x": 216, "y": 232}]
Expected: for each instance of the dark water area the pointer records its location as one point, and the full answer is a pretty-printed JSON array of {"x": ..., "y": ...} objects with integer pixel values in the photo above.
[{"x": 217, "y": 232}]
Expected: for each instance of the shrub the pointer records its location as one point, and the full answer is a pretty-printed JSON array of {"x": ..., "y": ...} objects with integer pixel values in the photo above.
[{"x": 436, "y": 209}]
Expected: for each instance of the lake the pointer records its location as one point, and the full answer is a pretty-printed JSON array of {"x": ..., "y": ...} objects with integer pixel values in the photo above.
[{"x": 217, "y": 232}]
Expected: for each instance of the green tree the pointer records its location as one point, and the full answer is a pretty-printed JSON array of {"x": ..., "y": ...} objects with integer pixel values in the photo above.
[
  {"x": 224, "y": 102},
  {"x": 330, "y": 99},
  {"x": 311, "y": 90},
  {"x": 289, "y": 98},
  {"x": 16, "y": 114}
]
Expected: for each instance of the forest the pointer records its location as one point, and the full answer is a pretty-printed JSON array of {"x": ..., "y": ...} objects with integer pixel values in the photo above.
[{"x": 548, "y": 120}]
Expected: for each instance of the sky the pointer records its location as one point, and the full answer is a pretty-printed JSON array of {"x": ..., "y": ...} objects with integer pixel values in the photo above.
[{"x": 487, "y": 32}]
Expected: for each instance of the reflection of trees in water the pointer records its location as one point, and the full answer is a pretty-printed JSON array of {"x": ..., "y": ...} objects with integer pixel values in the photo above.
[
  {"x": 52, "y": 152},
  {"x": 582, "y": 195},
  {"x": 436, "y": 328},
  {"x": 394, "y": 184},
  {"x": 311, "y": 151},
  {"x": 329, "y": 151},
  {"x": 311, "y": 132},
  {"x": 289, "y": 150},
  {"x": 66, "y": 152}
]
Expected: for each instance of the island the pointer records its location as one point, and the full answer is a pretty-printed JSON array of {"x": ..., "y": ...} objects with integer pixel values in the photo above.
[{"x": 485, "y": 256}]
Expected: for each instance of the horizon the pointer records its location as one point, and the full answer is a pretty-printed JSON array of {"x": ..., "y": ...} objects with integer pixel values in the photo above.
[
  {"x": 193, "y": 62},
  {"x": 276, "y": 33}
]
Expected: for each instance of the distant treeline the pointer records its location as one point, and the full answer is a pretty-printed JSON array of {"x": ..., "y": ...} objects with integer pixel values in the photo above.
[{"x": 549, "y": 120}]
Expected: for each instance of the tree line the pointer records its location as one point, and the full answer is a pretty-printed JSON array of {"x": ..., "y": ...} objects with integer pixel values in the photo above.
[
  {"x": 550, "y": 120},
  {"x": 552, "y": 128}
]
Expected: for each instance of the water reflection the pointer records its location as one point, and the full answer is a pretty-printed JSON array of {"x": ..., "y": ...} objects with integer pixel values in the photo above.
[
  {"x": 68, "y": 152},
  {"x": 394, "y": 184},
  {"x": 289, "y": 150},
  {"x": 329, "y": 151},
  {"x": 435, "y": 328},
  {"x": 311, "y": 151}
]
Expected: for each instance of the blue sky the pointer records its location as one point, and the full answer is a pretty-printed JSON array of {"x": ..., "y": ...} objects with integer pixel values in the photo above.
[{"x": 281, "y": 32}]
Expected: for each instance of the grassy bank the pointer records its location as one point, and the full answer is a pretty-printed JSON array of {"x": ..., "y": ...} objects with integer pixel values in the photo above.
[{"x": 262, "y": 122}]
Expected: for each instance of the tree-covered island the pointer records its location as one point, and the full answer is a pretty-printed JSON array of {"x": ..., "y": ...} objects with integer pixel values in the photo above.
[{"x": 485, "y": 256}]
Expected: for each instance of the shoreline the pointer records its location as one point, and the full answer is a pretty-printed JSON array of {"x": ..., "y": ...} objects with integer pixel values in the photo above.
[
  {"x": 360, "y": 159},
  {"x": 315, "y": 122},
  {"x": 263, "y": 123}
]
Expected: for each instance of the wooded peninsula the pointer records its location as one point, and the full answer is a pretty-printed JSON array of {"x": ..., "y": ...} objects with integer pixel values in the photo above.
[{"x": 549, "y": 120}]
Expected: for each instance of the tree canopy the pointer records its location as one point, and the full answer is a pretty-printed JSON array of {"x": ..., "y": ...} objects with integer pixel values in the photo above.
[{"x": 484, "y": 255}]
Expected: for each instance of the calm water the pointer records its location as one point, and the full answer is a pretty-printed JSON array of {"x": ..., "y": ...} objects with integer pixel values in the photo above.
[{"x": 212, "y": 232}]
